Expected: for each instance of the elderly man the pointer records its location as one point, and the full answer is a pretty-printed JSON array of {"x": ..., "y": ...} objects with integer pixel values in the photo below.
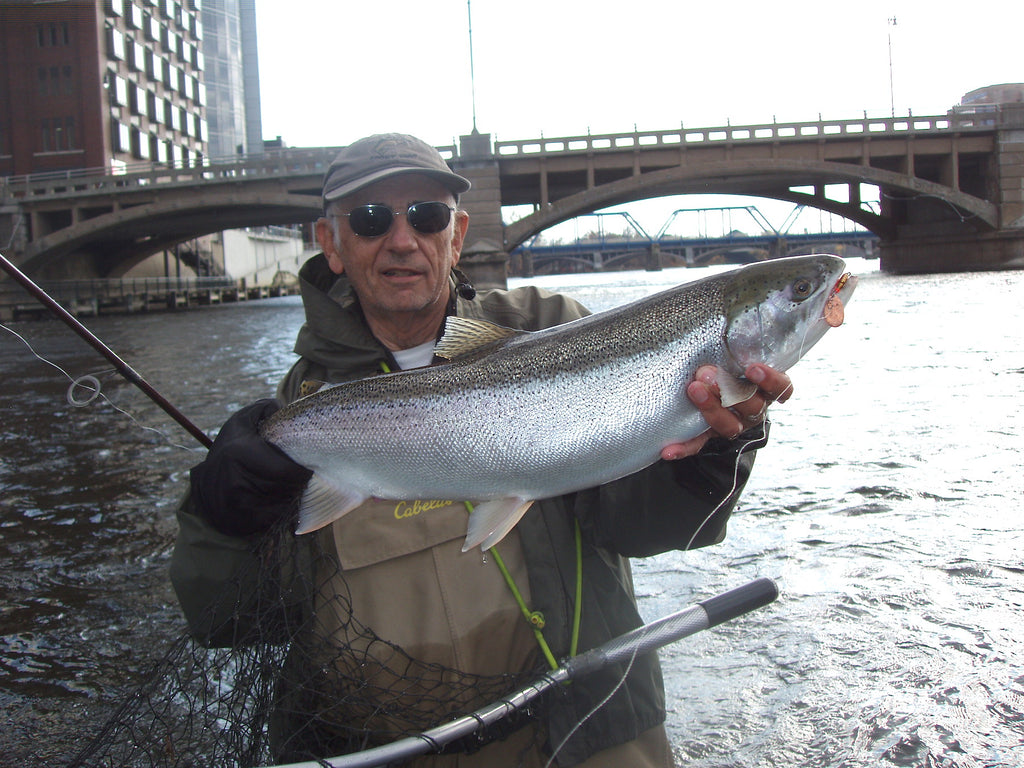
[{"x": 392, "y": 628}]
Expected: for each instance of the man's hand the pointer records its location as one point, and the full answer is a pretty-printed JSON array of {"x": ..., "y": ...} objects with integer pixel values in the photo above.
[
  {"x": 245, "y": 485},
  {"x": 730, "y": 423}
]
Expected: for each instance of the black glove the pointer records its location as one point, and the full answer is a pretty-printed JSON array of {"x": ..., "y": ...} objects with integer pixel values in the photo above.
[{"x": 245, "y": 484}]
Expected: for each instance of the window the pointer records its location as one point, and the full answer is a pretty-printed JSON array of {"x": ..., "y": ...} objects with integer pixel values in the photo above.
[
  {"x": 136, "y": 19},
  {"x": 139, "y": 144},
  {"x": 116, "y": 7},
  {"x": 120, "y": 137},
  {"x": 157, "y": 150},
  {"x": 69, "y": 80},
  {"x": 172, "y": 116},
  {"x": 118, "y": 90},
  {"x": 57, "y": 134},
  {"x": 53, "y": 34},
  {"x": 44, "y": 81},
  {"x": 136, "y": 56},
  {"x": 115, "y": 44},
  {"x": 136, "y": 99}
]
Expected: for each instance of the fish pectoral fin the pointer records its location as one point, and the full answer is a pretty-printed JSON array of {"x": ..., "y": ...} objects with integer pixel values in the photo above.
[
  {"x": 491, "y": 520},
  {"x": 733, "y": 389},
  {"x": 323, "y": 503},
  {"x": 464, "y": 335}
]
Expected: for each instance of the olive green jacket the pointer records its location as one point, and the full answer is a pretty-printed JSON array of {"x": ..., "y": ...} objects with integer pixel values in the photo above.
[{"x": 655, "y": 510}]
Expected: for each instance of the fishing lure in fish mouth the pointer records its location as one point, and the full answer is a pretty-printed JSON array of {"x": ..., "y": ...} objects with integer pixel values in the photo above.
[{"x": 834, "y": 312}]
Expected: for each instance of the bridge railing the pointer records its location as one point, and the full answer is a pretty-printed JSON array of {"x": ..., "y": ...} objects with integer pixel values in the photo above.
[
  {"x": 314, "y": 161},
  {"x": 765, "y": 132},
  {"x": 283, "y": 162}
]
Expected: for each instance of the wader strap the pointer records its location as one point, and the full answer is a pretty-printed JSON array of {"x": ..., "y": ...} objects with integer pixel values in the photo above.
[{"x": 535, "y": 618}]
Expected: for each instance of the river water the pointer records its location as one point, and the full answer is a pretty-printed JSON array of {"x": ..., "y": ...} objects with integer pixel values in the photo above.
[{"x": 886, "y": 507}]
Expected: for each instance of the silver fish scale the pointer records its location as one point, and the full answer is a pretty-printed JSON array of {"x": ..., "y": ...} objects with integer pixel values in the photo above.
[{"x": 543, "y": 414}]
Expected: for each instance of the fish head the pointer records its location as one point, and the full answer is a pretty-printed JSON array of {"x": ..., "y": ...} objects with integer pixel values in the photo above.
[{"x": 777, "y": 310}]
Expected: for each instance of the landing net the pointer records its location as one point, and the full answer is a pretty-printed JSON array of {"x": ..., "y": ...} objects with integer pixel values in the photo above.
[{"x": 273, "y": 683}]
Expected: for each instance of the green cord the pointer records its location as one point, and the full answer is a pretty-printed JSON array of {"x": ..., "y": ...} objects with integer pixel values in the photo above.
[
  {"x": 578, "y": 608},
  {"x": 535, "y": 618}
]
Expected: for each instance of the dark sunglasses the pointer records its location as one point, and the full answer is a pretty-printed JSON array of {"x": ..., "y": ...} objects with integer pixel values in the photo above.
[{"x": 375, "y": 220}]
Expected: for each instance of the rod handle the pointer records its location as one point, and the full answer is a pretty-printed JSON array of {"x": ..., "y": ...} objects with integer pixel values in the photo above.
[{"x": 743, "y": 599}]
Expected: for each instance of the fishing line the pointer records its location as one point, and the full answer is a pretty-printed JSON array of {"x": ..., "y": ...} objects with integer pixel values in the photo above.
[
  {"x": 596, "y": 707},
  {"x": 731, "y": 491},
  {"x": 129, "y": 373},
  {"x": 689, "y": 545},
  {"x": 92, "y": 388}
]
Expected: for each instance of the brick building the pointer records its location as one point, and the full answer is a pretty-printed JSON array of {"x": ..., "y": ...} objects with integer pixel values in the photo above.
[{"x": 100, "y": 84}]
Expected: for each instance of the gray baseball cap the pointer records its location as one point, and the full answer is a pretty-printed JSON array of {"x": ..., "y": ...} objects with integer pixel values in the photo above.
[{"x": 384, "y": 155}]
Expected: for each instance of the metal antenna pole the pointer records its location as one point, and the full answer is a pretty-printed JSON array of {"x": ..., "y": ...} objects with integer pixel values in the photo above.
[
  {"x": 892, "y": 94},
  {"x": 472, "y": 75}
]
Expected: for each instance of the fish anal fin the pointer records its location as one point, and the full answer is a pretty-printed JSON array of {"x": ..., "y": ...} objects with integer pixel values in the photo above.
[
  {"x": 733, "y": 389},
  {"x": 464, "y": 335},
  {"x": 322, "y": 503},
  {"x": 491, "y": 520}
]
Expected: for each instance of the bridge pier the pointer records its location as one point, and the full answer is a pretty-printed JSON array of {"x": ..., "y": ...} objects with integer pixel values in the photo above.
[
  {"x": 653, "y": 261},
  {"x": 484, "y": 258},
  {"x": 953, "y": 253}
]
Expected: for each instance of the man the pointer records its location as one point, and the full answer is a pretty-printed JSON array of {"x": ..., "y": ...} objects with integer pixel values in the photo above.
[{"x": 402, "y": 628}]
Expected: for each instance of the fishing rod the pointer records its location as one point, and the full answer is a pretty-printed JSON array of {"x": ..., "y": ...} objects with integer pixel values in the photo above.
[
  {"x": 122, "y": 367},
  {"x": 705, "y": 614}
]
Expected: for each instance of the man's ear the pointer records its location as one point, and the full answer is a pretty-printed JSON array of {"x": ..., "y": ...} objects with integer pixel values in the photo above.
[
  {"x": 459, "y": 235},
  {"x": 328, "y": 244}
]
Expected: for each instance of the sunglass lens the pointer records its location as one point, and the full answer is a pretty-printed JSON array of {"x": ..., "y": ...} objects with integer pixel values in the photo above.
[
  {"x": 370, "y": 220},
  {"x": 429, "y": 218}
]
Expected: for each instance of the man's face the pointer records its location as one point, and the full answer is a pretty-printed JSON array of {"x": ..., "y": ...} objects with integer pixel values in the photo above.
[{"x": 403, "y": 270}]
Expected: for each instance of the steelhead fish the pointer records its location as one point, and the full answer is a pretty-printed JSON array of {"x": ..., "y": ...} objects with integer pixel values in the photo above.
[{"x": 517, "y": 416}]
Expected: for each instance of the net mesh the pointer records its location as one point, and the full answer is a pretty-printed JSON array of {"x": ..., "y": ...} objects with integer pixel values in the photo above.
[{"x": 287, "y": 683}]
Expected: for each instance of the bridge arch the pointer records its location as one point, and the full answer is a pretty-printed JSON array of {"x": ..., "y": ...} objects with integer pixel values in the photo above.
[
  {"x": 760, "y": 178},
  {"x": 162, "y": 223}
]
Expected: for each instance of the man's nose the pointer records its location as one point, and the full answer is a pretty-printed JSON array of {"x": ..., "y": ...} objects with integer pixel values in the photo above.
[{"x": 402, "y": 235}]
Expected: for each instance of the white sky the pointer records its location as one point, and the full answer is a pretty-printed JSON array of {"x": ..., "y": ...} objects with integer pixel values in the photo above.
[{"x": 332, "y": 71}]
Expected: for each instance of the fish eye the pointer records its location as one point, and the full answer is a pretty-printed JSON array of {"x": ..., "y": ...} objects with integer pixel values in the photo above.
[{"x": 802, "y": 288}]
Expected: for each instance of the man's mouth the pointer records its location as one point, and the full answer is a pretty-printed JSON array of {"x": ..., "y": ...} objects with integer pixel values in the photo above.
[{"x": 398, "y": 272}]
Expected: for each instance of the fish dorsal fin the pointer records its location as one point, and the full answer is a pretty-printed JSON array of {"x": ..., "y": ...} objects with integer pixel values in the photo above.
[
  {"x": 734, "y": 390},
  {"x": 463, "y": 335}
]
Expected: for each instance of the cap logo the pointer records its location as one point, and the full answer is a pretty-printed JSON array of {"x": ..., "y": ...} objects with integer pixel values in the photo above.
[{"x": 396, "y": 148}]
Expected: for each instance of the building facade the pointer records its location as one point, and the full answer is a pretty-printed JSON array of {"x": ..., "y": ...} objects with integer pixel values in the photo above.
[
  {"x": 232, "y": 78},
  {"x": 100, "y": 84}
]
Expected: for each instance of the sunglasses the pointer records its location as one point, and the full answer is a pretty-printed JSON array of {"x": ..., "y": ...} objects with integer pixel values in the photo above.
[{"x": 375, "y": 220}]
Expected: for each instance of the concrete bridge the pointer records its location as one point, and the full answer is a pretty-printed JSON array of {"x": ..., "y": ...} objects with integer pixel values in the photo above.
[{"x": 951, "y": 189}]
